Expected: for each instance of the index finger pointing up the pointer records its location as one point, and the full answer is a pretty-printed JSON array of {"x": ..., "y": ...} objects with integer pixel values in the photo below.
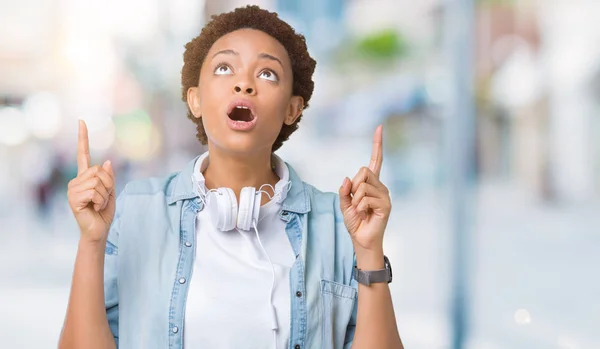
[
  {"x": 377, "y": 154},
  {"x": 83, "y": 149}
]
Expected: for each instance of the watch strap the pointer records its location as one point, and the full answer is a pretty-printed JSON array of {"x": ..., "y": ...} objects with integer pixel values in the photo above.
[{"x": 368, "y": 277}]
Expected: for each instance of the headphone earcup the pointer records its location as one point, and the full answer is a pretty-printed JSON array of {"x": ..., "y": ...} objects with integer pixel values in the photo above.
[
  {"x": 224, "y": 209},
  {"x": 246, "y": 208}
]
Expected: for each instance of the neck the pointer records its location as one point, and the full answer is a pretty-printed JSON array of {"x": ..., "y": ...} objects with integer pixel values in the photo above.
[{"x": 238, "y": 171}]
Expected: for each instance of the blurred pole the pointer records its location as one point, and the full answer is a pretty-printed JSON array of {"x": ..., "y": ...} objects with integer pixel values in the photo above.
[{"x": 459, "y": 128}]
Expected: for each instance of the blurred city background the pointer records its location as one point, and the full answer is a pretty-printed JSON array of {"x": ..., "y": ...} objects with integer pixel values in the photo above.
[{"x": 529, "y": 228}]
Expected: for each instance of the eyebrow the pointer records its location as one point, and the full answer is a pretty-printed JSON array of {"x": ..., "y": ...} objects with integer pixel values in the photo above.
[
  {"x": 270, "y": 57},
  {"x": 225, "y": 52},
  {"x": 260, "y": 55}
]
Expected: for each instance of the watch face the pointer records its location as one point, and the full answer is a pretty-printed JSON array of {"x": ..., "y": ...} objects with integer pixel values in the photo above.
[{"x": 388, "y": 266}]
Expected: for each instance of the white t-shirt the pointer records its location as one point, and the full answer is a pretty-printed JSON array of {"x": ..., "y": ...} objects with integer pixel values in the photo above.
[{"x": 228, "y": 303}]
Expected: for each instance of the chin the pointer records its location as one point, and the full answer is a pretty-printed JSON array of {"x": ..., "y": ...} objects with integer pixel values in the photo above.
[{"x": 246, "y": 143}]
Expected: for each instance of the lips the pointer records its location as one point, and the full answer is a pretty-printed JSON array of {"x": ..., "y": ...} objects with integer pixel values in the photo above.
[{"x": 241, "y": 116}]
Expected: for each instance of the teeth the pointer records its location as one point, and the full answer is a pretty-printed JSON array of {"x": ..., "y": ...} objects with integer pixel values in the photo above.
[{"x": 241, "y": 107}]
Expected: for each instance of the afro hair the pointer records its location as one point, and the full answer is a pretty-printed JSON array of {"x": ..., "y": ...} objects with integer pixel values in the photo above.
[{"x": 250, "y": 17}]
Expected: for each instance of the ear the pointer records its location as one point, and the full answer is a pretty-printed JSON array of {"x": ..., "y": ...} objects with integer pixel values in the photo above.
[
  {"x": 193, "y": 100},
  {"x": 295, "y": 109}
]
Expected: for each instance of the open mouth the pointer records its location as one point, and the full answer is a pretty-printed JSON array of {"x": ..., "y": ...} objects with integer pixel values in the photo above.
[{"x": 241, "y": 113}]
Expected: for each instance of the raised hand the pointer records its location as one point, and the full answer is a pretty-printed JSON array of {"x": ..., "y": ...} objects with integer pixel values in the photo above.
[
  {"x": 92, "y": 193},
  {"x": 365, "y": 202}
]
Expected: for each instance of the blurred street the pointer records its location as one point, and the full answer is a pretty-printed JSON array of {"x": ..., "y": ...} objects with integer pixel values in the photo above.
[
  {"x": 518, "y": 300},
  {"x": 497, "y": 101}
]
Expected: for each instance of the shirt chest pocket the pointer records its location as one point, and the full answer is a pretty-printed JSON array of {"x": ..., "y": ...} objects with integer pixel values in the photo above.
[{"x": 337, "y": 302}]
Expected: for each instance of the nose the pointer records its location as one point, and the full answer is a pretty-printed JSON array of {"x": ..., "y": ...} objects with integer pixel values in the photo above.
[{"x": 245, "y": 88}]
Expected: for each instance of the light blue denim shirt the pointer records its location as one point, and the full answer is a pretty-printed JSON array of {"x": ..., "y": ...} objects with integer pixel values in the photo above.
[{"x": 150, "y": 251}]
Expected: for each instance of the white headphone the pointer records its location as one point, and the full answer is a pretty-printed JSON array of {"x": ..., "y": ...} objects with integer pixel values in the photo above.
[
  {"x": 224, "y": 211},
  {"x": 223, "y": 206}
]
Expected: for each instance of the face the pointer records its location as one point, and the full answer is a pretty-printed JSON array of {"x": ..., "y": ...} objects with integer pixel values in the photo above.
[{"x": 244, "y": 95}]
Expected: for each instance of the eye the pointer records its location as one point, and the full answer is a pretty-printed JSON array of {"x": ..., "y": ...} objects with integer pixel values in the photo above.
[
  {"x": 223, "y": 69},
  {"x": 268, "y": 75}
]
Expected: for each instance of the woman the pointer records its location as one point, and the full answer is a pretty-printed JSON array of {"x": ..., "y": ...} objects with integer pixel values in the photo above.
[{"x": 234, "y": 250}]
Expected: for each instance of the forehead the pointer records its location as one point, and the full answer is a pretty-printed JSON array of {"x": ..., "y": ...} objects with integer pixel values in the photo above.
[{"x": 250, "y": 42}]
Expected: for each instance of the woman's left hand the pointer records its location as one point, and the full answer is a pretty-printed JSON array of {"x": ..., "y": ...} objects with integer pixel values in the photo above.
[{"x": 365, "y": 203}]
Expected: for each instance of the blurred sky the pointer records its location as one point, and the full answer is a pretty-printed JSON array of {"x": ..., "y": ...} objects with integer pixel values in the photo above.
[{"x": 534, "y": 197}]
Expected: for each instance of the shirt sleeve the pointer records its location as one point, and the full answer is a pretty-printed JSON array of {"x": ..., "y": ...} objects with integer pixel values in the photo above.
[{"x": 111, "y": 259}]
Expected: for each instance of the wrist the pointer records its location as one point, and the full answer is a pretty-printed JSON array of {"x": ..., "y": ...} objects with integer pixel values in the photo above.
[
  {"x": 369, "y": 259},
  {"x": 89, "y": 244}
]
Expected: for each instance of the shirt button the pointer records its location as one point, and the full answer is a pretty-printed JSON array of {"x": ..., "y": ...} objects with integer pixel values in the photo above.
[
  {"x": 297, "y": 346},
  {"x": 298, "y": 294},
  {"x": 188, "y": 244},
  {"x": 284, "y": 213},
  {"x": 175, "y": 329},
  {"x": 182, "y": 281}
]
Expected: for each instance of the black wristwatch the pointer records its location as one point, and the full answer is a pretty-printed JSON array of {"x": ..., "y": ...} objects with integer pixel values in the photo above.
[{"x": 368, "y": 277}]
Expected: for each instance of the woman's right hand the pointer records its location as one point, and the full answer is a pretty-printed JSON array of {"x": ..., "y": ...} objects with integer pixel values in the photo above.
[{"x": 92, "y": 193}]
